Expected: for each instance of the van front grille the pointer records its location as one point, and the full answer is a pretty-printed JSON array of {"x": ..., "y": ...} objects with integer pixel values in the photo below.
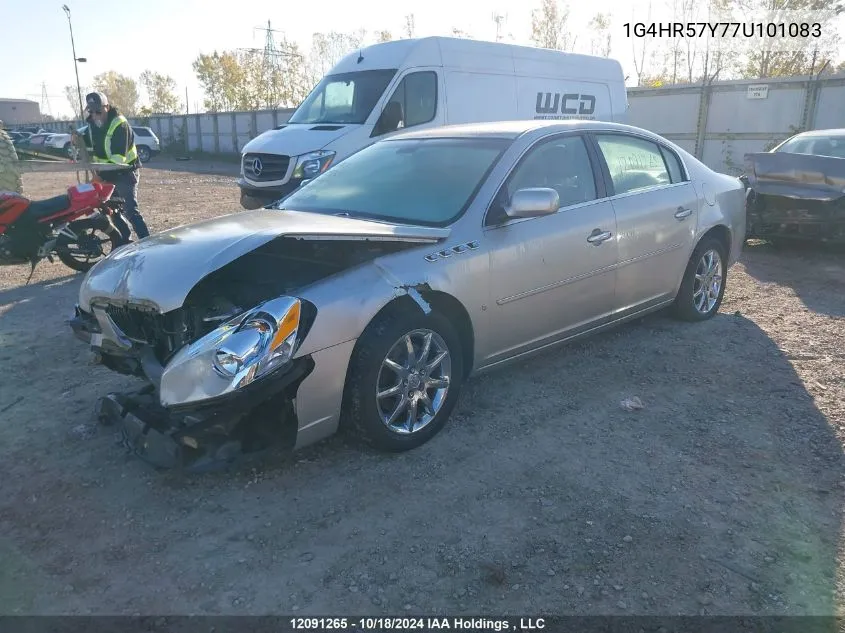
[{"x": 265, "y": 167}]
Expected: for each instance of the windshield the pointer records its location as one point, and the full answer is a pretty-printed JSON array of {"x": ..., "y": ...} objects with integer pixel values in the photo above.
[
  {"x": 833, "y": 146},
  {"x": 419, "y": 181},
  {"x": 343, "y": 98}
]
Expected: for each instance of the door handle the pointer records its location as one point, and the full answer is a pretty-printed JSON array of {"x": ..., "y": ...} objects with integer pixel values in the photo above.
[
  {"x": 598, "y": 236},
  {"x": 682, "y": 213}
]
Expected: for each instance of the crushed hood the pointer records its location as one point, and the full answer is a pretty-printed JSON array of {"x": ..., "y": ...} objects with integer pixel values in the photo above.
[
  {"x": 297, "y": 139},
  {"x": 161, "y": 270},
  {"x": 797, "y": 176}
]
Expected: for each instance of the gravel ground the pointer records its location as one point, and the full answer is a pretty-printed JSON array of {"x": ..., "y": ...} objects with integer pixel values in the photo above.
[{"x": 542, "y": 495}]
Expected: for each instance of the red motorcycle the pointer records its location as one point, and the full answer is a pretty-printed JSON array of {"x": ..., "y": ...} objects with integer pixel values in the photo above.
[{"x": 75, "y": 227}]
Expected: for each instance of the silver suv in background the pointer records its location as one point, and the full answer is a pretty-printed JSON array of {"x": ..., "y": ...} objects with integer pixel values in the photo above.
[
  {"x": 147, "y": 143},
  {"x": 145, "y": 140}
]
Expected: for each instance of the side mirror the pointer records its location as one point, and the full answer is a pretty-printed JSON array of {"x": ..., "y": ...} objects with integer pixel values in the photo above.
[{"x": 533, "y": 202}]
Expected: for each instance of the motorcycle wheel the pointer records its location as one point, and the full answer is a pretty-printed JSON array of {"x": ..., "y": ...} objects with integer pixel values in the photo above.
[{"x": 96, "y": 241}]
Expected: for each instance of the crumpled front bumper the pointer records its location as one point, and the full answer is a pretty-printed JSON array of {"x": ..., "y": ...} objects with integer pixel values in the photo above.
[
  {"x": 210, "y": 436},
  {"x": 199, "y": 437}
]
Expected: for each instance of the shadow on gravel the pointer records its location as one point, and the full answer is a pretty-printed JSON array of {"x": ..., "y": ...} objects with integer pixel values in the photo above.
[
  {"x": 788, "y": 264},
  {"x": 200, "y": 167},
  {"x": 47, "y": 290},
  {"x": 542, "y": 495}
]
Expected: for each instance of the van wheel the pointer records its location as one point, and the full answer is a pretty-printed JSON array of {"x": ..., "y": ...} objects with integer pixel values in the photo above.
[{"x": 404, "y": 378}]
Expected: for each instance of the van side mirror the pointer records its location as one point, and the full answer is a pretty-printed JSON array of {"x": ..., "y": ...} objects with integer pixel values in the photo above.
[{"x": 533, "y": 202}]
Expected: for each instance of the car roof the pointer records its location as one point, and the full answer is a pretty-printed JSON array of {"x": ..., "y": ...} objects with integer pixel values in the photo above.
[
  {"x": 830, "y": 132},
  {"x": 514, "y": 129}
]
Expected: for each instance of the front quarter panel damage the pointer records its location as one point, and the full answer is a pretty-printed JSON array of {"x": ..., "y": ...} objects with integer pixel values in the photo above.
[{"x": 796, "y": 196}]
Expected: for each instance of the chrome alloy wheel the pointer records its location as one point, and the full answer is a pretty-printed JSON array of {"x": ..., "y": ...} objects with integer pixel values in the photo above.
[
  {"x": 413, "y": 381},
  {"x": 708, "y": 281}
]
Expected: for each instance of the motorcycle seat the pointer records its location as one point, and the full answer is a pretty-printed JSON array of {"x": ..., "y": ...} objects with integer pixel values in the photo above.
[{"x": 39, "y": 209}]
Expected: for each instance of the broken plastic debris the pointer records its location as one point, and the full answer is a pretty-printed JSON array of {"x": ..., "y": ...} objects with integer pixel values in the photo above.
[{"x": 632, "y": 404}]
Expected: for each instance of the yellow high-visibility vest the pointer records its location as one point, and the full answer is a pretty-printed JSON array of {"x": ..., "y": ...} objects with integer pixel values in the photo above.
[{"x": 117, "y": 159}]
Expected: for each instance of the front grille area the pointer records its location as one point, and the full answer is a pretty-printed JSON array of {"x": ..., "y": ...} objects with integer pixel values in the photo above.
[
  {"x": 265, "y": 167},
  {"x": 138, "y": 325}
]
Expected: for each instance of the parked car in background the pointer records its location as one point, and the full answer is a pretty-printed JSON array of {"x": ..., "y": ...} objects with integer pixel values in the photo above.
[
  {"x": 146, "y": 141},
  {"x": 367, "y": 297},
  {"x": 31, "y": 129},
  {"x": 796, "y": 191},
  {"x": 36, "y": 140},
  {"x": 58, "y": 141},
  {"x": 17, "y": 136}
]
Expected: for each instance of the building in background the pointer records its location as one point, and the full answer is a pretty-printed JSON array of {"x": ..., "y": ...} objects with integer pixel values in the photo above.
[{"x": 18, "y": 111}]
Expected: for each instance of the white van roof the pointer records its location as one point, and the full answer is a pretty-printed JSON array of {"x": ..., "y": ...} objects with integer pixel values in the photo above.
[{"x": 479, "y": 55}]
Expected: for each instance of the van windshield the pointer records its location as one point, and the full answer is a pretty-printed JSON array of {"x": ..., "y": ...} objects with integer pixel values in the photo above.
[
  {"x": 343, "y": 98},
  {"x": 427, "y": 181}
]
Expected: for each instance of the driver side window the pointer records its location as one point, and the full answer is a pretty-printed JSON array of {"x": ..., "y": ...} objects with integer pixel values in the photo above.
[
  {"x": 414, "y": 102},
  {"x": 562, "y": 164}
]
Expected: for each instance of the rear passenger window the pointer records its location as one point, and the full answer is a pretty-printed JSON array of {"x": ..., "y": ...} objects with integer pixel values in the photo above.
[
  {"x": 673, "y": 163},
  {"x": 634, "y": 163}
]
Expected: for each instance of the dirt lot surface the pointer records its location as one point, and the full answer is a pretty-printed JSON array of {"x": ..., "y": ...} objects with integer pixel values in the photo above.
[{"x": 542, "y": 495}]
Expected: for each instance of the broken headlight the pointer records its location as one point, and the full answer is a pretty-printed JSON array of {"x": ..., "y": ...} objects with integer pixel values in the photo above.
[{"x": 235, "y": 354}]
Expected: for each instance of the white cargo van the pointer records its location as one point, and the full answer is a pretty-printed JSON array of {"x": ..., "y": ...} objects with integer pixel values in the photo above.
[{"x": 424, "y": 82}]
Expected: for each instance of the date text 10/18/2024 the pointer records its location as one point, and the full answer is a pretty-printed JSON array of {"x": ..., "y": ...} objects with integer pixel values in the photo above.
[{"x": 416, "y": 624}]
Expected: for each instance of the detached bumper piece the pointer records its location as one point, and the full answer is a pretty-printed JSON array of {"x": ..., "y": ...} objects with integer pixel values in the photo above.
[{"x": 210, "y": 437}]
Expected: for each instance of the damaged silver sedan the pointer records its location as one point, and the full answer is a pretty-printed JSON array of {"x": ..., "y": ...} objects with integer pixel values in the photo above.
[{"x": 364, "y": 299}]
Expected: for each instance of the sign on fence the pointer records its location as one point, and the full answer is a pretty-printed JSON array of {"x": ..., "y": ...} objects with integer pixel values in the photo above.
[{"x": 758, "y": 91}]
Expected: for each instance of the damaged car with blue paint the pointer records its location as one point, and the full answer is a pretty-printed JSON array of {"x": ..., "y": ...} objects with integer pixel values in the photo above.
[{"x": 366, "y": 297}]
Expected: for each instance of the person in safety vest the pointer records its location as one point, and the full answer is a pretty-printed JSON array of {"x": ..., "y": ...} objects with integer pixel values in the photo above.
[{"x": 109, "y": 139}]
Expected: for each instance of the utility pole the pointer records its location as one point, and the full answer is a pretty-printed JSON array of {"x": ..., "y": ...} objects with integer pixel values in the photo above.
[
  {"x": 75, "y": 67},
  {"x": 271, "y": 65},
  {"x": 498, "y": 19}
]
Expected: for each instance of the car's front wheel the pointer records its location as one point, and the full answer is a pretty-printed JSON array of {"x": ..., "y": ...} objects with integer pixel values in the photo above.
[
  {"x": 703, "y": 286},
  {"x": 404, "y": 378},
  {"x": 144, "y": 154}
]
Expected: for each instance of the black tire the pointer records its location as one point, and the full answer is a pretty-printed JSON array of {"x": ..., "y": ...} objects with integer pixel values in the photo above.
[
  {"x": 684, "y": 307},
  {"x": 251, "y": 203},
  {"x": 108, "y": 234},
  {"x": 144, "y": 153},
  {"x": 363, "y": 415}
]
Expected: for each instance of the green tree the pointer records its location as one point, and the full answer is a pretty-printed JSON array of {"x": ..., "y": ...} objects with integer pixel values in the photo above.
[
  {"x": 550, "y": 28},
  {"x": 122, "y": 91},
  {"x": 789, "y": 56},
  {"x": 222, "y": 77},
  {"x": 249, "y": 80},
  {"x": 600, "y": 42},
  {"x": 161, "y": 92},
  {"x": 72, "y": 96},
  {"x": 410, "y": 27}
]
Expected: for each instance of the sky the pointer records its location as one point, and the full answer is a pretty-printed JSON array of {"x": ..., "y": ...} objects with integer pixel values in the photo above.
[{"x": 167, "y": 35}]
